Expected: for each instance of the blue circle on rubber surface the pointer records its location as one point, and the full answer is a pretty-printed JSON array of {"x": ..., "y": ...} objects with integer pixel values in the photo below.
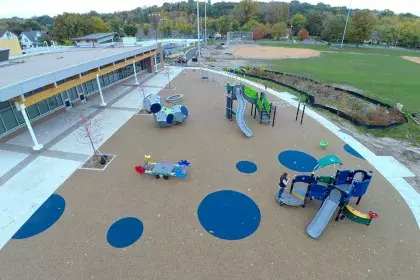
[
  {"x": 184, "y": 111},
  {"x": 43, "y": 218},
  {"x": 297, "y": 161},
  {"x": 229, "y": 215},
  {"x": 349, "y": 149},
  {"x": 245, "y": 166},
  {"x": 124, "y": 232}
]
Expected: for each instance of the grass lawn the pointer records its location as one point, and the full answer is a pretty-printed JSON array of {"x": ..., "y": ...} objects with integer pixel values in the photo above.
[
  {"x": 326, "y": 48},
  {"x": 387, "y": 78}
]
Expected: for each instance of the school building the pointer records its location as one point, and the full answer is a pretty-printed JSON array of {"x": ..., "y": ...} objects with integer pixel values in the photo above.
[{"x": 38, "y": 87}]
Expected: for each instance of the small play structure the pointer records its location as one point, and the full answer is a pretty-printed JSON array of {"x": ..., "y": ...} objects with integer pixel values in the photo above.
[
  {"x": 164, "y": 116},
  {"x": 335, "y": 192},
  {"x": 163, "y": 170},
  {"x": 242, "y": 93},
  {"x": 174, "y": 98}
]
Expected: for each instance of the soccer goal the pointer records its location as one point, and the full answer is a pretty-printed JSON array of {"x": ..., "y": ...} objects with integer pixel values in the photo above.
[{"x": 238, "y": 37}]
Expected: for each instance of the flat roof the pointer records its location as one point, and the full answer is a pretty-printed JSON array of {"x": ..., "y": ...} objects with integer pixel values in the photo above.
[
  {"x": 27, "y": 73},
  {"x": 95, "y": 36}
]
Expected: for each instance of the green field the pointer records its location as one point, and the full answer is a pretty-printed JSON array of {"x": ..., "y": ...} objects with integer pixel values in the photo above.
[
  {"x": 326, "y": 48},
  {"x": 387, "y": 78}
]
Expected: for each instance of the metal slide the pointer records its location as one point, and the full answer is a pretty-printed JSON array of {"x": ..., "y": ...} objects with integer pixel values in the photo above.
[
  {"x": 324, "y": 214},
  {"x": 240, "y": 114}
]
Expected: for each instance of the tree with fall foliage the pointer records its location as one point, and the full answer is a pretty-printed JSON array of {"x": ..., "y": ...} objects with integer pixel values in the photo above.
[{"x": 303, "y": 34}]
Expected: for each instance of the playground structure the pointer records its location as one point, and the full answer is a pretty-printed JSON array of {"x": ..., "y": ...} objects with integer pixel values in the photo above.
[
  {"x": 334, "y": 192},
  {"x": 164, "y": 116},
  {"x": 242, "y": 93},
  {"x": 163, "y": 170}
]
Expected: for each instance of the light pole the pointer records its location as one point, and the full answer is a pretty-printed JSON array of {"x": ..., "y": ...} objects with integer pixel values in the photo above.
[
  {"x": 155, "y": 16},
  {"x": 345, "y": 26},
  {"x": 198, "y": 32},
  {"x": 205, "y": 23}
]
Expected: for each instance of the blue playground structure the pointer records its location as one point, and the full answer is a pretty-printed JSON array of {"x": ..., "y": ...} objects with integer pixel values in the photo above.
[
  {"x": 163, "y": 170},
  {"x": 335, "y": 192},
  {"x": 165, "y": 117}
]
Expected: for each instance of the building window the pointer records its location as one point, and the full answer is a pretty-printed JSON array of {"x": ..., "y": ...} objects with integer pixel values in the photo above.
[
  {"x": 111, "y": 78},
  {"x": 43, "y": 107},
  {"x": 33, "y": 111},
  {"x": 2, "y": 127},
  {"x": 52, "y": 102},
  {"x": 9, "y": 118},
  {"x": 89, "y": 87},
  {"x": 73, "y": 94},
  {"x": 157, "y": 58}
]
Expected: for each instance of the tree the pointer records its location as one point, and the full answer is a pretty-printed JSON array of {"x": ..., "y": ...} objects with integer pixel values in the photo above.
[
  {"x": 314, "y": 23},
  {"x": 146, "y": 29},
  {"x": 116, "y": 24},
  {"x": 298, "y": 22},
  {"x": 182, "y": 25},
  {"x": 68, "y": 26},
  {"x": 90, "y": 133},
  {"x": 303, "y": 35},
  {"x": 280, "y": 30},
  {"x": 245, "y": 10},
  {"x": 274, "y": 12},
  {"x": 224, "y": 24},
  {"x": 130, "y": 30},
  {"x": 333, "y": 28},
  {"x": 167, "y": 70},
  {"x": 409, "y": 33},
  {"x": 99, "y": 26},
  {"x": 251, "y": 25},
  {"x": 257, "y": 33},
  {"x": 165, "y": 26},
  {"x": 361, "y": 26}
]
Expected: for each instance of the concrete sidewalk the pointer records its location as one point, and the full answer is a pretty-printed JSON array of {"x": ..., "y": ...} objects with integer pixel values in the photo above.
[{"x": 28, "y": 178}]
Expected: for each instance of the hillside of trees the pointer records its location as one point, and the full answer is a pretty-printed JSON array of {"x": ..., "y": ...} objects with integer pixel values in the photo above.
[{"x": 272, "y": 20}]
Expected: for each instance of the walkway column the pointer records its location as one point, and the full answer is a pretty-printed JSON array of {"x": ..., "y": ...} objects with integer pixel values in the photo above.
[
  {"x": 156, "y": 67},
  {"x": 36, "y": 146},
  {"x": 100, "y": 91},
  {"x": 135, "y": 73}
]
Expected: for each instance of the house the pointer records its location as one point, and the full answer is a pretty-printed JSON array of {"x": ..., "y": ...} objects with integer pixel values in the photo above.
[
  {"x": 6, "y": 35},
  {"x": 95, "y": 40},
  {"x": 31, "y": 39}
]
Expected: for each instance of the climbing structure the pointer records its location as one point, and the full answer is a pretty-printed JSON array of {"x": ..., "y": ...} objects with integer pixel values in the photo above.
[
  {"x": 164, "y": 116},
  {"x": 258, "y": 102}
]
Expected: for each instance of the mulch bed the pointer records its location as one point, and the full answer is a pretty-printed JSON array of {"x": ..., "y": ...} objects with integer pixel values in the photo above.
[{"x": 95, "y": 162}]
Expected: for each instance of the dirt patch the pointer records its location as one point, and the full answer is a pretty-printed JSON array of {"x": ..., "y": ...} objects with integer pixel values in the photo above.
[
  {"x": 412, "y": 59},
  {"x": 274, "y": 52}
]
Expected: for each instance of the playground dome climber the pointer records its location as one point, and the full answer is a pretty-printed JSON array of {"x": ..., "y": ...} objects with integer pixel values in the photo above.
[
  {"x": 180, "y": 113},
  {"x": 153, "y": 103},
  {"x": 164, "y": 116}
]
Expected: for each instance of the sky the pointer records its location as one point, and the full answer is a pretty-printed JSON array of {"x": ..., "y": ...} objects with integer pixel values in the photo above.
[{"x": 28, "y": 8}]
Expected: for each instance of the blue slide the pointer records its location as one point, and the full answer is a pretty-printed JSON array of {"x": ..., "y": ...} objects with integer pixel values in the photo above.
[
  {"x": 318, "y": 224},
  {"x": 240, "y": 114}
]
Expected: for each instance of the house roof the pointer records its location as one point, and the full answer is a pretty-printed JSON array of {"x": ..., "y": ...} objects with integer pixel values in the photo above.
[
  {"x": 2, "y": 31},
  {"x": 95, "y": 36},
  {"x": 31, "y": 35}
]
